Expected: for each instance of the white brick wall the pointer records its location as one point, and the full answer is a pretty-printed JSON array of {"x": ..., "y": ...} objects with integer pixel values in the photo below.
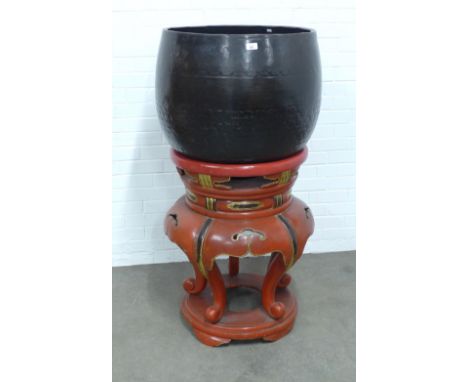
[{"x": 145, "y": 183}]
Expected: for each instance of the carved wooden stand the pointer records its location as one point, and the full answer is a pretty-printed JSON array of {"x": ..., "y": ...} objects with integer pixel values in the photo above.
[{"x": 237, "y": 210}]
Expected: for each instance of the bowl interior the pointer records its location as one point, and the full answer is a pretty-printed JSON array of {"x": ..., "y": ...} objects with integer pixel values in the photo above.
[{"x": 240, "y": 29}]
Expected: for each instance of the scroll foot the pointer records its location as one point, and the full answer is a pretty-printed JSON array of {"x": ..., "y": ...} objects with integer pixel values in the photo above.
[
  {"x": 209, "y": 339},
  {"x": 284, "y": 281},
  {"x": 194, "y": 286},
  {"x": 197, "y": 284},
  {"x": 275, "y": 272}
]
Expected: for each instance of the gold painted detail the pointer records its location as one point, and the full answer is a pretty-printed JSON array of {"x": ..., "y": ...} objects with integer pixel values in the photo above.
[
  {"x": 284, "y": 177},
  {"x": 217, "y": 183},
  {"x": 245, "y": 205},
  {"x": 210, "y": 203},
  {"x": 201, "y": 267},
  {"x": 278, "y": 200},
  {"x": 200, "y": 242},
  {"x": 191, "y": 196},
  {"x": 205, "y": 180}
]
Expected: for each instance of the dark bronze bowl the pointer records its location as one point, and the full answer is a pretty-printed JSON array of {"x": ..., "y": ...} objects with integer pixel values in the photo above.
[{"x": 238, "y": 94}]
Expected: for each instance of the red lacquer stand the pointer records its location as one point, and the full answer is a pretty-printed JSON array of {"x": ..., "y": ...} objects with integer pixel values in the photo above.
[{"x": 236, "y": 210}]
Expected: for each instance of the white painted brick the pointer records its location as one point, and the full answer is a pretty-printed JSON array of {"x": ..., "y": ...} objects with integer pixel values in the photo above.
[
  {"x": 170, "y": 194},
  {"x": 169, "y": 256},
  {"x": 132, "y": 38},
  {"x": 118, "y": 95},
  {"x": 337, "y": 116},
  {"x": 127, "y": 234},
  {"x": 303, "y": 195},
  {"x": 135, "y": 125},
  {"x": 132, "y": 110},
  {"x": 319, "y": 209},
  {"x": 341, "y": 156},
  {"x": 149, "y": 5},
  {"x": 335, "y": 233},
  {"x": 138, "y": 33},
  {"x": 338, "y": 59},
  {"x": 341, "y": 182},
  {"x": 333, "y": 209},
  {"x": 155, "y": 152},
  {"x": 134, "y": 246},
  {"x": 308, "y": 171},
  {"x": 172, "y": 179},
  {"x": 133, "y": 80},
  {"x": 342, "y": 208},
  {"x": 247, "y": 16},
  {"x": 168, "y": 166},
  {"x": 350, "y": 221},
  {"x": 156, "y": 235},
  {"x": 156, "y": 206},
  {"x": 328, "y": 196},
  {"x": 332, "y": 29},
  {"x": 134, "y": 64},
  {"x": 140, "y": 95},
  {"x": 336, "y": 45},
  {"x": 152, "y": 219},
  {"x": 342, "y": 169},
  {"x": 137, "y": 139},
  {"x": 325, "y": 222},
  {"x": 125, "y": 153},
  {"x": 338, "y": 103},
  {"x": 118, "y": 222},
  {"x": 309, "y": 184},
  {"x": 316, "y": 157},
  {"x": 331, "y": 144},
  {"x": 338, "y": 74},
  {"x": 322, "y": 131},
  {"x": 137, "y": 220},
  {"x": 255, "y": 4},
  {"x": 339, "y": 89},
  {"x": 120, "y": 195},
  {"x": 343, "y": 130},
  {"x": 323, "y": 15},
  {"x": 145, "y": 181},
  {"x": 137, "y": 167},
  {"x": 132, "y": 181},
  {"x": 320, "y": 246},
  {"x": 132, "y": 258},
  {"x": 123, "y": 208}
]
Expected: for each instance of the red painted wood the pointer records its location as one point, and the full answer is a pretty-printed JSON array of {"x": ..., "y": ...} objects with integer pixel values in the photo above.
[
  {"x": 241, "y": 170},
  {"x": 248, "y": 325},
  {"x": 204, "y": 225},
  {"x": 214, "y": 312},
  {"x": 276, "y": 270},
  {"x": 197, "y": 284}
]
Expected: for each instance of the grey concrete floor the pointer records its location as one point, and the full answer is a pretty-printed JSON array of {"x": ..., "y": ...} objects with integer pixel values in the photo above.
[{"x": 151, "y": 342}]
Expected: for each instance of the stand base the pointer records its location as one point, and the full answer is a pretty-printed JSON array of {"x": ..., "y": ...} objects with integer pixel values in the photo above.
[{"x": 247, "y": 325}]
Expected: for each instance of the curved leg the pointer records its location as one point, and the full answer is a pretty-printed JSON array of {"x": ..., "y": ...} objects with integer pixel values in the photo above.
[
  {"x": 274, "y": 274},
  {"x": 214, "y": 312},
  {"x": 286, "y": 278},
  {"x": 197, "y": 284},
  {"x": 233, "y": 266}
]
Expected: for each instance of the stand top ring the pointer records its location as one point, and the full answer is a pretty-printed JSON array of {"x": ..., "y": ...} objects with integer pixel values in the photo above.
[{"x": 239, "y": 170}]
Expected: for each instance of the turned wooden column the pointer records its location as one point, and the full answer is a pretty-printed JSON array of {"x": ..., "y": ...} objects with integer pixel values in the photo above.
[{"x": 239, "y": 210}]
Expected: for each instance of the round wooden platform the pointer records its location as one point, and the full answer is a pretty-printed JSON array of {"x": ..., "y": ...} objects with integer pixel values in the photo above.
[{"x": 244, "y": 325}]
